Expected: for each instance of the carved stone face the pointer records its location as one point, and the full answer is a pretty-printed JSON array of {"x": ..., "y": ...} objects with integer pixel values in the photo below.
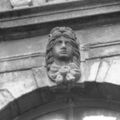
[
  {"x": 63, "y": 56},
  {"x": 62, "y": 48}
]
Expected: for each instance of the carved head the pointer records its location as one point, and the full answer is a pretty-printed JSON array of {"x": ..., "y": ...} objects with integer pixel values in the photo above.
[{"x": 62, "y": 45}]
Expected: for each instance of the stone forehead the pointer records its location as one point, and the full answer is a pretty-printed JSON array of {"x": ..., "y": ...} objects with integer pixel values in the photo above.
[{"x": 62, "y": 31}]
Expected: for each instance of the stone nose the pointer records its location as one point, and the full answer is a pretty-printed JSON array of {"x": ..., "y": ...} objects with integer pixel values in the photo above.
[{"x": 63, "y": 45}]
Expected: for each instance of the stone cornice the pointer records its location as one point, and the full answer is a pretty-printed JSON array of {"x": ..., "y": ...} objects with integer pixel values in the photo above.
[
  {"x": 48, "y": 9},
  {"x": 17, "y": 24},
  {"x": 112, "y": 48}
]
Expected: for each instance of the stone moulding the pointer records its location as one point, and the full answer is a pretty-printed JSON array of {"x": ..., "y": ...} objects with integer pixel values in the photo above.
[
  {"x": 35, "y": 19},
  {"x": 85, "y": 7},
  {"x": 21, "y": 62},
  {"x": 109, "y": 49},
  {"x": 20, "y": 3}
]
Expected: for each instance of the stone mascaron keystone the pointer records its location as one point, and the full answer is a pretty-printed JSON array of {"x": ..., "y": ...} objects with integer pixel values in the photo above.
[{"x": 63, "y": 56}]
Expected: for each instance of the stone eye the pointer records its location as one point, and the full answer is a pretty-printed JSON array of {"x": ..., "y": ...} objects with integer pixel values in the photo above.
[
  {"x": 59, "y": 42},
  {"x": 67, "y": 43}
]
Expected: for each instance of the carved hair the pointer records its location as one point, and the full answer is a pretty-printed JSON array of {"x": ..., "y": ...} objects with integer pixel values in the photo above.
[{"x": 56, "y": 33}]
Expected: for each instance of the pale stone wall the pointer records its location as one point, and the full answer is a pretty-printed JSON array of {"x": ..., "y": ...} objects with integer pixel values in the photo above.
[
  {"x": 6, "y": 5},
  {"x": 22, "y": 62}
]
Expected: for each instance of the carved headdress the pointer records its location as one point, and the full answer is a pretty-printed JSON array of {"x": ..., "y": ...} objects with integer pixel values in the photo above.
[{"x": 54, "y": 34}]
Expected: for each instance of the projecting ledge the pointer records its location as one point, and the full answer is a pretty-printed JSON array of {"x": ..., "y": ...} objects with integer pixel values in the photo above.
[{"x": 55, "y": 12}]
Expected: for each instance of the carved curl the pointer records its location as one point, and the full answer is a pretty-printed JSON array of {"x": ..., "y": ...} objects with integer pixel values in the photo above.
[{"x": 54, "y": 34}]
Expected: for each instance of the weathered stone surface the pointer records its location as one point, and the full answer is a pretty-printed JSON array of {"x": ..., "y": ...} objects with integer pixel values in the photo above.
[
  {"x": 21, "y": 63},
  {"x": 40, "y": 76},
  {"x": 22, "y": 54},
  {"x": 59, "y": 1},
  {"x": 56, "y": 1},
  {"x": 105, "y": 70},
  {"x": 23, "y": 47},
  {"x": 5, "y": 97},
  {"x": 100, "y": 117},
  {"x": 93, "y": 35},
  {"x": 99, "y": 41},
  {"x": 26, "y": 47},
  {"x": 99, "y": 70},
  {"x": 18, "y": 83},
  {"x": 111, "y": 68},
  {"x": 89, "y": 70},
  {"x": 20, "y": 3},
  {"x": 99, "y": 34},
  {"x": 63, "y": 56},
  {"x": 5, "y": 5},
  {"x": 77, "y": 10},
  {"x": 38, "y": 2},
  {"x": 103, "y": 50}
]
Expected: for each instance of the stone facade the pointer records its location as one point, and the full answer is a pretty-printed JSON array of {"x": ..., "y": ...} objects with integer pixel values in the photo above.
[
  {"x": 23, "y": 45},
  {"x": 25, "y": 66},
  {"x": 22, "y": 3},
  {"x": 6, "y": 5}
]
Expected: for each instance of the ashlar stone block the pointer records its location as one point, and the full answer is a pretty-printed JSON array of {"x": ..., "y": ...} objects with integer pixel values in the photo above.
[
  {"x": 5, "y": 5},
  {"x": 56, "y": 1},
  {"x": 41, "y": 77},
  {"x": 103, "y": 71},
  {"x": 38, "y": 2},
  {"x": 18, "y": 83},
  {"x": 89, "y": 70},
  {"x": 109, "y": 71},
  {"x": 5, "y": 97},
  {"x": 113, "y": 75},
  {"x": 20, "y": 3},
  {"x": 93, "y": 67}
]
